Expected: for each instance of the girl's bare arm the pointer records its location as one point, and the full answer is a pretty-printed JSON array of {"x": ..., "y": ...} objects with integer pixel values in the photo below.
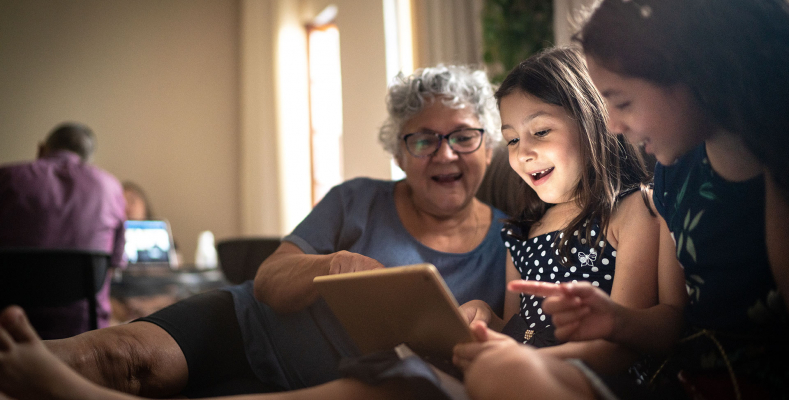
[
  {"x": 636, "y": 236},
  {"x": 777, "y": 225},
  {"x": 656, "y": 329}
]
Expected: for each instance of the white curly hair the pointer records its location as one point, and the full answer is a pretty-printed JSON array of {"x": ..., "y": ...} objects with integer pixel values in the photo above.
[{"x": 458, "y": 86}]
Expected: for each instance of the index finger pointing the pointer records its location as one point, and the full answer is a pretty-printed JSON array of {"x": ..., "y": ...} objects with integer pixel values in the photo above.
[{"x": 533, "y": 287}]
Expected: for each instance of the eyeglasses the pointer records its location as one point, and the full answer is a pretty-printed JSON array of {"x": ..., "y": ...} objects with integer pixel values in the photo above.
[{"x": 462, "y": 141}]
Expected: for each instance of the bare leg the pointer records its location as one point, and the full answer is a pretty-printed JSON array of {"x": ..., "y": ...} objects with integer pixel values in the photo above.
[
  {"x": 28, "y": 370},
  {"x": 517, "y": 372},
  {"x": 341, "y": 389},
  {"x": 138, "y": 358}
]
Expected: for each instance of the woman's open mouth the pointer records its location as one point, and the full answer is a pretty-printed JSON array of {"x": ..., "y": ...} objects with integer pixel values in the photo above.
[{"x": 447, "y": 178}]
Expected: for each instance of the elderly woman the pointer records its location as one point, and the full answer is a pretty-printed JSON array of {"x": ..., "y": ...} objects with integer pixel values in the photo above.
[
  {"x": 276, "y": 334},
  {"x": 441, "y": 127}
]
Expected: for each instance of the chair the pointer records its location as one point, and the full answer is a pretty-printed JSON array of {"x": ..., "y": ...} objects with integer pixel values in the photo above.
[
  {"x": 240, "y": 258},
  {"x": 57, "y": 288}
]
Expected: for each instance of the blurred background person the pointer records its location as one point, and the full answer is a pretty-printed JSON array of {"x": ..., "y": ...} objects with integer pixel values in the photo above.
[
  {"x": 62, "y": 201},
  {"x": 138, "y": 207}
]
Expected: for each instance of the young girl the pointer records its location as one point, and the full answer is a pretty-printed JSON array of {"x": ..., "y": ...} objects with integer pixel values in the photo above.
[
  {"x": 589, "y": 216},
  {"x": 704, "y": 86}
]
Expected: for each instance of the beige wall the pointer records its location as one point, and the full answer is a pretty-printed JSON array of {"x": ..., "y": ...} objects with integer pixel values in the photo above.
[
  {"x": 191, "y": 100},
  {"x": 156, "y": 80}
]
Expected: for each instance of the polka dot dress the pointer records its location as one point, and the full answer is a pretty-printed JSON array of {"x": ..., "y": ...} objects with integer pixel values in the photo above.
[{"x": 538, "y": 259}]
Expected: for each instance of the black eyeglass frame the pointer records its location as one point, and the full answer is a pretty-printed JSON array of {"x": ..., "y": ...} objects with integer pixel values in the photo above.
[{"x": 441, "y": 140}]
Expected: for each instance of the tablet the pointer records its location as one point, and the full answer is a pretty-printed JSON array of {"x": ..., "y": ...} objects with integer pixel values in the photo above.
[{"x": 383, "y": 308}]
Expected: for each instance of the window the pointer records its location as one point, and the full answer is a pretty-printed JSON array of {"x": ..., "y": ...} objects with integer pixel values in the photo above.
[
  {"x": 325, "y": 108},
  {"x": 399, "y": 48}
]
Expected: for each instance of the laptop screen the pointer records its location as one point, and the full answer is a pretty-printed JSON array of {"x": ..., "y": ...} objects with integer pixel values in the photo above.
[{"x": 148, "y": 242}]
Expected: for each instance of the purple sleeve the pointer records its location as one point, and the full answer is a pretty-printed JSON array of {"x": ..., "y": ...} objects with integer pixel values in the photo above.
[{"x": 118, "y": 258}]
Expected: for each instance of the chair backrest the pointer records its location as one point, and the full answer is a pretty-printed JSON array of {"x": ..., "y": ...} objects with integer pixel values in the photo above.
[
  {"x": 240, "y": 258},
  {"x": 42, "y": 278},
  {"x": 502, "y": 187}
]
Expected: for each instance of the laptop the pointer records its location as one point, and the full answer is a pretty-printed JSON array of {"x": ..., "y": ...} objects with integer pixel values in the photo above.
[
  {"x": 149, "y": 243},
  {"x": 383, "y": 308}
]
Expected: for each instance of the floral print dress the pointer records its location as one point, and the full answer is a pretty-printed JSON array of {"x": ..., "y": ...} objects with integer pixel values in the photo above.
[{"x": 737, "y": 318}]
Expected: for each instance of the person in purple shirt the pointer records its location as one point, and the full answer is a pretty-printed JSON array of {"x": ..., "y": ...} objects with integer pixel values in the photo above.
[{"x": 61, "y": 201}]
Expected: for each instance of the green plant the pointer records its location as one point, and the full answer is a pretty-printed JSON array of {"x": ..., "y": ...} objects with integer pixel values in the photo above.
[{"x": 512, "y": 31}]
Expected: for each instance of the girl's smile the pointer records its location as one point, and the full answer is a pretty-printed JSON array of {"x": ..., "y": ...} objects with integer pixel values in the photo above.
[
  {"x": 541, "y": 176},
  {"x": 544, "y": 146}
]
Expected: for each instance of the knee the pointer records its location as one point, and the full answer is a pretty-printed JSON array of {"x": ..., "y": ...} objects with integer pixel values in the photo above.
[
  {"x": 127, "y": 357},
  {"x": 110, "y": 357},
  {"x": 503, "y": 374},
  {"x": 137, "y": 358}
]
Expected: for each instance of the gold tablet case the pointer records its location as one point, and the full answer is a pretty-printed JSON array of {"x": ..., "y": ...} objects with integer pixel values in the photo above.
[{"x": 383, "y": 308}]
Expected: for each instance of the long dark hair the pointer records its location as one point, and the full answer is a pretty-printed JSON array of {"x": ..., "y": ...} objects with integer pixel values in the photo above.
[
  {"x": 733, "y": 55},
  {"x": 612, "y": 166},
  {"x": 137, "y": 190}
]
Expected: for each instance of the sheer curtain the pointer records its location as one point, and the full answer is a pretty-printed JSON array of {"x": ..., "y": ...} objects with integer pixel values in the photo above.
[
  {"x": 566, "y": 17},
  {"x": 447, "y": 31},
  {"x": 450, "y": 31}
]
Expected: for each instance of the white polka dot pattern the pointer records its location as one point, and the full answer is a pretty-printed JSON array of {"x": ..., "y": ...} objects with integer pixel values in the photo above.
[{"x": 588, "y": 262}]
